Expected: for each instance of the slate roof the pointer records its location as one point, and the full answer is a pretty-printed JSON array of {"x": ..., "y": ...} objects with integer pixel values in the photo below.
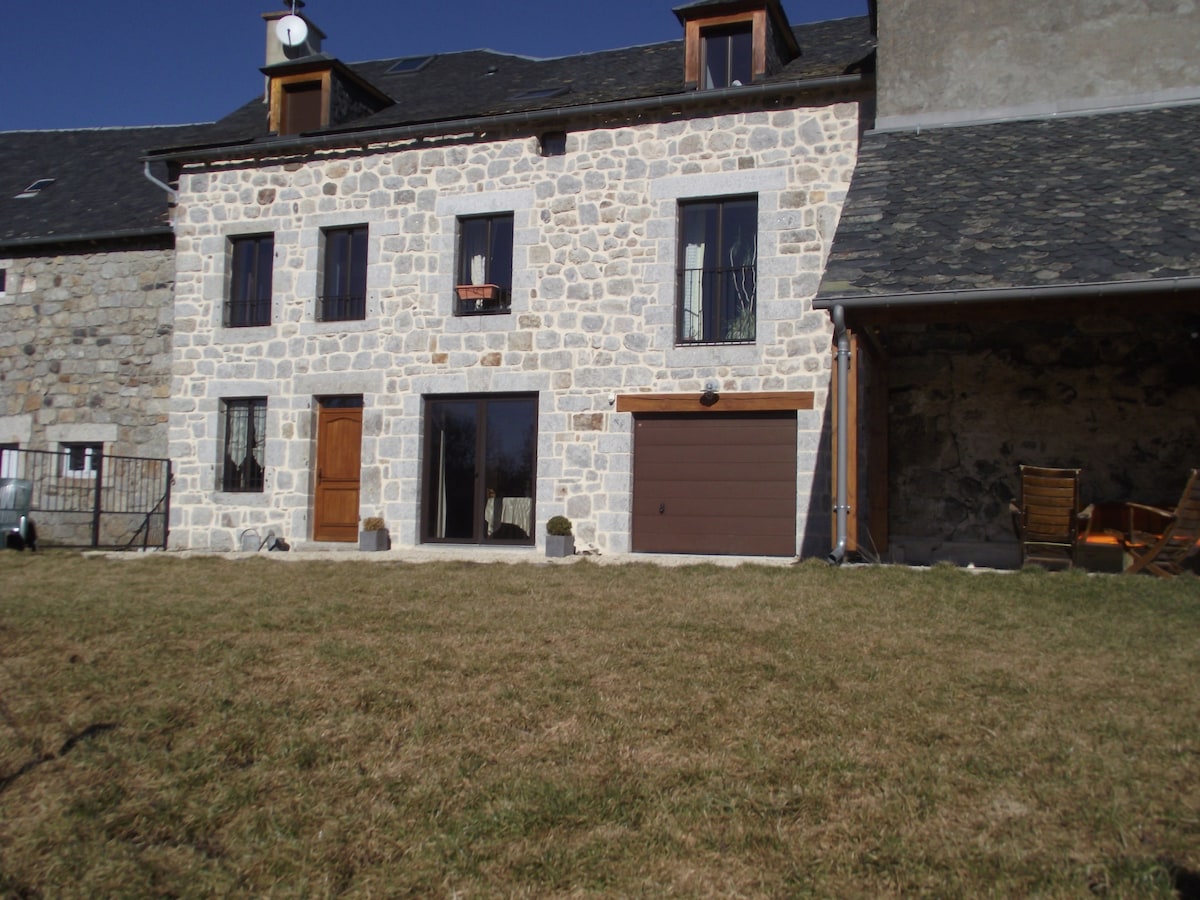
[
  {"x": 479, "y": 83},
  {"x": 1075, "y": 200},
  {"x": 99, "y": 189}
]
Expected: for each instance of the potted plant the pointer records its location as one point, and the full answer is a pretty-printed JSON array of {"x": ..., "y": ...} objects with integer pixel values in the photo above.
[
  {"x": 559, "y": 539},
  {"x": 373, "y": 535}
]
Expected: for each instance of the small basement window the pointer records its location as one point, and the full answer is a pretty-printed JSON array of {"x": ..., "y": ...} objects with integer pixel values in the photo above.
[{"x": 34, "y": 189}]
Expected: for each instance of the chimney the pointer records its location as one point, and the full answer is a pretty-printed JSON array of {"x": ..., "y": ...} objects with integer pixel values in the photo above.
[{"x": 277, "y": 50}]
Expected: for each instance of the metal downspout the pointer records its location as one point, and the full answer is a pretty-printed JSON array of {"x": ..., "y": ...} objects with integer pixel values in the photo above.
[
  {"x": 841, "y": 505},
  {"x": 171, "y": 192}
]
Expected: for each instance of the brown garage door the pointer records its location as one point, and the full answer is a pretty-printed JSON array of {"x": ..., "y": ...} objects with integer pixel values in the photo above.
[{"x": 715, "y": 484}]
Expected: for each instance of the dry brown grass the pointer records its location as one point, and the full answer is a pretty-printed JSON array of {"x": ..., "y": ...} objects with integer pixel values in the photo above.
[{"x": 187, "y": 727}]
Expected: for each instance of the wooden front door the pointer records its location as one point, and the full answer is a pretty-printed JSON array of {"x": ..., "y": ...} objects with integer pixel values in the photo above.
[{"x": 339, "y": 460}]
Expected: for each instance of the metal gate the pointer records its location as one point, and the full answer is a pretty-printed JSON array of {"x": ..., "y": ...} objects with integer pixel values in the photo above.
[{"x": 94, "y": 500}]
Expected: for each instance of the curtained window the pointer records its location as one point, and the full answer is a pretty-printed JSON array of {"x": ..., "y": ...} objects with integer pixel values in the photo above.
[{"x": 245, "y": 429}]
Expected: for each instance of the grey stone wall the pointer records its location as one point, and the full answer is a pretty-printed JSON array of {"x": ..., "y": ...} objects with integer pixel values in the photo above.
[
  {"x": 592, "y": 313},
  {"x": 85, "y": 349},
  {"x": 948, "y": 60}
]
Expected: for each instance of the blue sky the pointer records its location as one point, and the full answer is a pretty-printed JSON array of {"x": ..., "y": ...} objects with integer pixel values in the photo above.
[{"x": 74, "y": 64}]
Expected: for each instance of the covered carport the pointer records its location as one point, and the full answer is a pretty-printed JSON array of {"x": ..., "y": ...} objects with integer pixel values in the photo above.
[{"x": 1007, "y": 293}]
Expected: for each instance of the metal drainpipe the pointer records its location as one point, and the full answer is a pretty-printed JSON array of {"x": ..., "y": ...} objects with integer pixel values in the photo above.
[
  {"x": 171, "y": 192},
  {"x": 841, "y": 505}
]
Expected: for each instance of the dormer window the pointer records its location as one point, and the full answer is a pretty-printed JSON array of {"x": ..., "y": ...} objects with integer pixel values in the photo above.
[
  {"x": 730, "y": 43},
  {"x": 727, "y": 55},
  {"x": 299, "y": 102}
]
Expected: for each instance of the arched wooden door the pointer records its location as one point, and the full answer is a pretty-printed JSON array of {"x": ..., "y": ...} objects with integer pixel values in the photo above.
[{"x": 339, "y": 462}]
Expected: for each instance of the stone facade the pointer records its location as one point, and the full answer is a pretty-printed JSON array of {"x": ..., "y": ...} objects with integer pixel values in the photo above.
[
  {"x": 593, "y": 308},
  {"x": 85, "y": 349}
]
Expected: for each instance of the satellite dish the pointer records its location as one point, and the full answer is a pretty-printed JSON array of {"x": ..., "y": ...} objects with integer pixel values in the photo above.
[{"x": 291, "y": 30}]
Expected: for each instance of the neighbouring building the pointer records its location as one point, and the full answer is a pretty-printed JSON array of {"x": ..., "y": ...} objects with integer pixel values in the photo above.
[{"x": 1018, "y": 268}]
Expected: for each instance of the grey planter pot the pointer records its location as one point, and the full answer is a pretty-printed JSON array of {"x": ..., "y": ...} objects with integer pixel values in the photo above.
[
  {"x": 374, "y": 540},
  {"x": 560, "y": 545}
]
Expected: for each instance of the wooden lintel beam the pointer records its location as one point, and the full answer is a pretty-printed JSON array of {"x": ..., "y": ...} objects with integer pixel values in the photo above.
[{"x": 748, "y": 401}]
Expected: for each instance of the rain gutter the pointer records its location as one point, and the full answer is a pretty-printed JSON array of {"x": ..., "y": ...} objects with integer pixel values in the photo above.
[
  {"x": 85, "y": 237},
  {"x": 850, "y": 303}
]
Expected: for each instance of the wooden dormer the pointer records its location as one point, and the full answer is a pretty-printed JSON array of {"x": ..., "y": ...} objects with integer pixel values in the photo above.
[
  {"x": 732, "y": 42},
  {"x": 317, "y": 93}
]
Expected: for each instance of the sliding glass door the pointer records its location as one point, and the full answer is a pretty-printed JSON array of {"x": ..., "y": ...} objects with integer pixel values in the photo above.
[{"x": 480, "y": 465}]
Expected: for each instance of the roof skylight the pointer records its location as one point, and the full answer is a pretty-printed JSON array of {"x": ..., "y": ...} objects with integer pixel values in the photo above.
[
  {"x": 540, "y": 93},
  {"x": 408, "y": 64},
  {"x": 36, "y": 188}
]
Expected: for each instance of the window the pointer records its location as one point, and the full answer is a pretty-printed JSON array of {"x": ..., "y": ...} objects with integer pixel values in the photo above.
[
  {"x": 9, "y": 460},
  {"x": 728, "y": 56},
  {"x": 543, "y": 93},
  {"x": 244, "y": 424},
  {"x": 344, "y": 294},
  {"x": 494, "y": 436},
  {"x": 485, "y": 250},
  {"x": 251, "y": 261},
  {"x": 303, "y": 103},
  {"x": 3, "y": 280},
  {"x": 718, "y": 252},
  {"x": 81, "y": 460},
  {"x": 34, "y": 189},
  {"x": 408, "y": 64},
  {"x": 554, "y": 143}
]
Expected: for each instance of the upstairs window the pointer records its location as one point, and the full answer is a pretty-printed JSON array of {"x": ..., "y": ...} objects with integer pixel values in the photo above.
[
  {"x": 718, "y": 277},
  {"x": 250, "y": 266},
  {"x": 244, "y": 423},
  {"x": 10, "y": 460},
  {"x": 303, "y": 104},
  {"x": 344, "y": 284},
  {"x": 485, "y": 250},
  {"x": 81, "y": 460},
  {"x": 727, "y": 56}
]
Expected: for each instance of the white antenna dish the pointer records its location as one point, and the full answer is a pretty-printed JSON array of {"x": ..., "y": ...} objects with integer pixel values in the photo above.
[{"x": 291, "y": 30}]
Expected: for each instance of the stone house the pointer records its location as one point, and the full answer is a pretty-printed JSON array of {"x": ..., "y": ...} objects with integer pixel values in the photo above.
[
  {"x": 470, "y": 291},
  {"x": 1017, "y": 268},
  {"x": 87, "y": 271}
]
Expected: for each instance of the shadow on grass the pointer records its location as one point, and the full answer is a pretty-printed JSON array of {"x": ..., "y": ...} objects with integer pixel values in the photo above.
[
  {"x": 68, "y": 745},
  {"x": 1185, "y": 881}
]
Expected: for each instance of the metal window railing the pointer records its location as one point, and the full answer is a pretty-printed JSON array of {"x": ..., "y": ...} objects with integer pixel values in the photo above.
[{"x": 341, "y": 308}]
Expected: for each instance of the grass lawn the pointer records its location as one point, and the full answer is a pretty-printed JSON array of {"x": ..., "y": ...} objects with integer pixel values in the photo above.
[{"x": 213, "y": 727}]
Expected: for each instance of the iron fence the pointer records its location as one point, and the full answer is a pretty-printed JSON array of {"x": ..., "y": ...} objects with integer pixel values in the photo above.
[{"x": 111, "y": 502}]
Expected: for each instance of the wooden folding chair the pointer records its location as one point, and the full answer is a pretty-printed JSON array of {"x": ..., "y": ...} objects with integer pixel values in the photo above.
[
  {"x": 1046, "y": 516},
  {"x": 1165, "y": 554}
]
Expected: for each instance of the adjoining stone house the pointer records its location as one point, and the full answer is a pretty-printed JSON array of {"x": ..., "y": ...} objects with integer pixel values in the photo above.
[
  {"x": 1018, "y": 268},
  {"x": 470, "y": 291},
  {"x": 87, "y": 271}
]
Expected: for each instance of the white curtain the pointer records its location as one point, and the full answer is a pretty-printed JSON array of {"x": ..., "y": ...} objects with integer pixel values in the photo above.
[
  {"x": 693, "y": 292},
  {"x": 440, "y": 525},
  {"x": 477, "y": 268}
]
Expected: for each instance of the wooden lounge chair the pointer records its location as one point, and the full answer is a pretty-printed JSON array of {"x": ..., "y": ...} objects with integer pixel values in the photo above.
[
  {"x": 1047, "y": 518},
  {"x": 1165, "y": 554}
]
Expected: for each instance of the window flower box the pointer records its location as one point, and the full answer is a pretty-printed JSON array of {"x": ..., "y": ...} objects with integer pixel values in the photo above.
[{"x": 478, "y": 291}]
